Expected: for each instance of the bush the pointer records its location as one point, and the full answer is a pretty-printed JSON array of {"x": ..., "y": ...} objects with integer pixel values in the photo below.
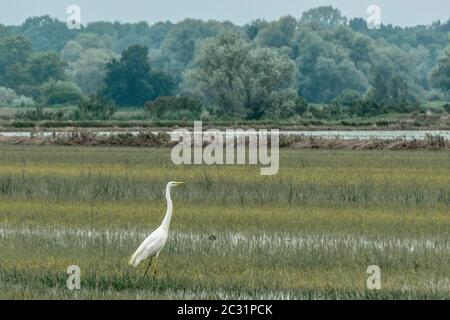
[
  {"x": 349, "y": 102},
  {"x": 348, "y": 99},
  {"x": 320, "y": 112},
  {"x": 175, "y": 108},
  {"x": 22, "y": 101},
  {"x": 96, "y": 108},
  {"x": 39, "y": 114},
  {"x": 363, "y": 108},
  {"x": 282, "y": 104},
  {"x": 8, "y": 97},
  {"x": 301, "y": 105},
  {"x": 60, "y": 93}
]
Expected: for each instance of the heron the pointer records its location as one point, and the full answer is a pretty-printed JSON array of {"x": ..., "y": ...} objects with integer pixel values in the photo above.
[{"x": 155, "y": 242}]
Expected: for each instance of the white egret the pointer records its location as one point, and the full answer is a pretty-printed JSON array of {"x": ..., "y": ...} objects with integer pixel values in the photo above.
[{"x": 155, "y": 242}]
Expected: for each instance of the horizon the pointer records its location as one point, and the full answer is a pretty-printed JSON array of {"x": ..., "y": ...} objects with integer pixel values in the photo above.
[{"x": 401, "y": 13}]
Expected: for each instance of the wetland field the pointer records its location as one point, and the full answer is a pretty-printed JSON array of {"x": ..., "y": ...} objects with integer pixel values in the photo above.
[{"x": 309, "y": 232}]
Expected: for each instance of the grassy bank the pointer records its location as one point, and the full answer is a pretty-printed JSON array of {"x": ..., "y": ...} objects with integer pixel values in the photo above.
[
  {"x": 137, "y": 118},
  {"x": 309, "y": 232}
]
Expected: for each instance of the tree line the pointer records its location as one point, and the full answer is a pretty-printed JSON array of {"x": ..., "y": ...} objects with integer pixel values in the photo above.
[{"x": 264, "y": 69}]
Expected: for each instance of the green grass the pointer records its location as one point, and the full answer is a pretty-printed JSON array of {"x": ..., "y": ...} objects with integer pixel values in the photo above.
[
  {"x": 309, "y": 232},
  {"x": 126, "y": 118}
]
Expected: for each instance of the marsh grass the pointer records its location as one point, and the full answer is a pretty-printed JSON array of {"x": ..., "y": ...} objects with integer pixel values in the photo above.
[{"x": 308, "y": 233}]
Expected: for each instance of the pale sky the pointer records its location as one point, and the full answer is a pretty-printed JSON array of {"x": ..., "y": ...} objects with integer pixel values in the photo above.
[{"x": 397, "y": 12}]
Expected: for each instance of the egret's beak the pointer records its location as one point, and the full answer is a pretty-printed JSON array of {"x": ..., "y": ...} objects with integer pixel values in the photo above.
[{"x": 179, "y": 183}]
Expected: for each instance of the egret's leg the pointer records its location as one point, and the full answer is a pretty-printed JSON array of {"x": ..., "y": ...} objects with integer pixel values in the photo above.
[
  {"x": 155, "y": 269},
  {"x": 148, "y": 268}
]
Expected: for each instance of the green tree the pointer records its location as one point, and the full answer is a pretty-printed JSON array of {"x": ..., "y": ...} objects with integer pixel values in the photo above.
[
  {"x": 45, "y": 66},
  {"x": 389, "y": 90},
  {"x": 46, "y": 33},
  {"x": 325, "y": 68},
  {"x": 87, "y": 57},
  {"x": 272, "y": 90},
  {"x": 221, "y": 73},
  {"x": 253, "y": 28},
  {"x": 325, "y": 16},
  {"x": 347, "y": 98},
  {"x": 95, "y": 41},
  {"x": 15, "y": 51},
  {"x": 301, "y": 105},
  {"x": 4, "y": 32},
  {"x": 360, "y": 48},
  {"x": 447, "y": 108},
  {"x": 358, "y": 25},
  {"x": 397, "y": 94},
  {"x": 89, "y": 70},
  {"x": 278, "y": 34},
  {"x": 71, "y": 51},
  {"x": 242, "y": 80},
  {"x": 440, "y": 77},
  {"x": 378, "y": 90},
  {"x": 177, "y": 51},
  {"x": 130, "y": 81}
]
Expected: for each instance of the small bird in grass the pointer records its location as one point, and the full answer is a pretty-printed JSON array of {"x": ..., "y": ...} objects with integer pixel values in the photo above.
[{"x": 155, "y": 242}]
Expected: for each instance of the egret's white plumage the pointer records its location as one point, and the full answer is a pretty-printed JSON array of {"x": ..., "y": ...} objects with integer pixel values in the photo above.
[
  {"x": 155, "y": 242},
  {"x": 151, "y": 247}
]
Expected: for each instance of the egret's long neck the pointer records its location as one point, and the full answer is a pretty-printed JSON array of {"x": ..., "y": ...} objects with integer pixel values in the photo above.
[{"x": 166, "y": 222}]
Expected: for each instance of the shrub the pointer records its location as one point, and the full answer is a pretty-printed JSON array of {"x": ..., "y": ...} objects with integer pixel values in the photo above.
[
  {"x": 364, "y": 108},
  {"x": 60, "y": 93},
  {"x": 283, "y": 104},
  {"x": 301, "y": 105},
  {"x": 348, "y": 98},
  {"x": 8, "y": 97},
  {"x": 22, "y": 101},
  {"x": 175, "y": 108},
  {"x": 320, "y": 112},
  {"x": 39, "y": 114},
  {"x": 96, "y": 108}
]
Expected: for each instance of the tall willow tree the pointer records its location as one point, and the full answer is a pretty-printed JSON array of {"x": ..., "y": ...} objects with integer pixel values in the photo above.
[{"x": 243, "y": 80}]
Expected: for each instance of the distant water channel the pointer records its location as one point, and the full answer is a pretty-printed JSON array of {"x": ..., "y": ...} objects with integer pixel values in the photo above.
[{"x": 346, "y": 135}]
